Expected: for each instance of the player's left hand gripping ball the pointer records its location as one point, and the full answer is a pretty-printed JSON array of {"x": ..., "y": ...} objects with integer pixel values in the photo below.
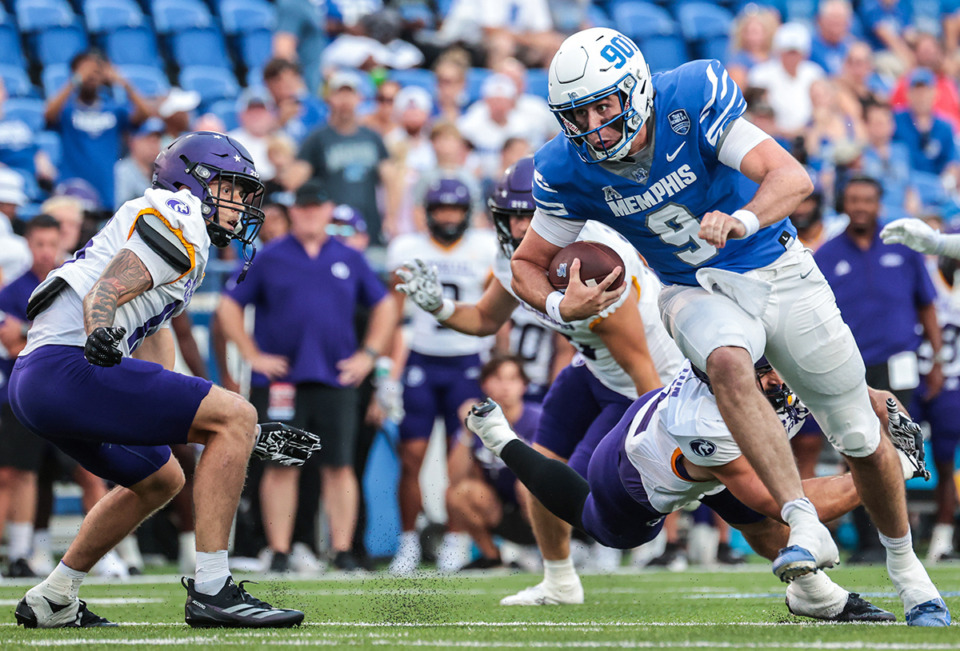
[
  {"x": 287, "y": 445},
  {"x": 102, "y": 347}
]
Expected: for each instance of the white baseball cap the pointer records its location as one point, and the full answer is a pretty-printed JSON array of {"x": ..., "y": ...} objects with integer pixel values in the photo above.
[
  {"x": 792, "y": 37},
  {"x": 413, "y": 97},
  {"x": 498, "y": 85},
  {"x": 178, "y": 100},
  {"x": 11, "y": 187}
]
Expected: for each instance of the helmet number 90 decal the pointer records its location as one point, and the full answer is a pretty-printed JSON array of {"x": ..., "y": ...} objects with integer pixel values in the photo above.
[{"x": 618, "y": 51}]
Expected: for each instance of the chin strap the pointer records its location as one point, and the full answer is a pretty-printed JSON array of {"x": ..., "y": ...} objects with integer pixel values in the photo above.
[{"x": 248, "y": 248}]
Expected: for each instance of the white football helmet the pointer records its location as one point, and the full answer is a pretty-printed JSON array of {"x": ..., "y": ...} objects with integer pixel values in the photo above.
[{"x": 589, "y": 66}]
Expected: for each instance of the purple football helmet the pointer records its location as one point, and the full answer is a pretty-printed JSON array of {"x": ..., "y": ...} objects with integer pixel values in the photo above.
[
  {"x": 193, "y": 160},
  {"x": 512, "y": 197},
  {"x": 447, "y": 192}
]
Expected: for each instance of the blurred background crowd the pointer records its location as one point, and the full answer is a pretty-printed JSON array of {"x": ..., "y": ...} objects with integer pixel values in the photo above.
[{"x": 377, "y": 122}]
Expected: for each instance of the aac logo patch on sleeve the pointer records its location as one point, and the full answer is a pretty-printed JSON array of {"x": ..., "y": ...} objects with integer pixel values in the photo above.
[
  {"x": 703, "y": 447},
  {"x": 178, "y": 206}
]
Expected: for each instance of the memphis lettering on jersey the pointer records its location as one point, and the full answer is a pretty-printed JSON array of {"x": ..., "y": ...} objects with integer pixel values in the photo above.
[{"x": 665, "y": 188}]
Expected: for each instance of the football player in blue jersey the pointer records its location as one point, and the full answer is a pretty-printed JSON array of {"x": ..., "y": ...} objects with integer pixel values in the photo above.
[{"x": 703, "y": 194}]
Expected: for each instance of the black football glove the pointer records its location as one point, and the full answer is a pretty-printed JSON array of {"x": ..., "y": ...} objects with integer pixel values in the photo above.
[
  {"x": 287, "y": 445},
  {"x": 102, "y": 347}
]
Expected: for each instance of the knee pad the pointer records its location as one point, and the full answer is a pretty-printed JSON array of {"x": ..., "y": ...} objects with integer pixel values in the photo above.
[{"x": 854, "y": 431}]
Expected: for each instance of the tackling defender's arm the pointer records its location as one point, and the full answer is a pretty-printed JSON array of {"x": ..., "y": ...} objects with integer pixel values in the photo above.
[{"x": 623, "y": 334}]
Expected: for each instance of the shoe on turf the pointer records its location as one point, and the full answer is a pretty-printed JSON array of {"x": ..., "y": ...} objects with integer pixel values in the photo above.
[
  {"x": 486, "y": 420},
  {"x": 727, "y": 555},
  {"x": 546, "y": 595},
  {"x": 929, "y": 613},
  {"x": 20, "y": 569},
  {"x": 674, "y": 558},
  {"x": 407, "y": 559},
  {"x": 234, "y": 607},
  {"x": 280, "y": 563},
  {"x": 856, "y": 609},
  {"x": 484, "y": 563},
  {"x": 346, "y": 562},
  {"x": 37, "y": 611}
]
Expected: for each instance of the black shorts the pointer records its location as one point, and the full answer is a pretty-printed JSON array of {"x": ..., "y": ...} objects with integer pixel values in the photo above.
[
  {"x": 19, "y": 447},
  {"x": 332, "y": 413}
]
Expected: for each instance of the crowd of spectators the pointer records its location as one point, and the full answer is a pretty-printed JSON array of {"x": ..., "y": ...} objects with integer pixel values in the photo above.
[{"x": 359, "y": 107}]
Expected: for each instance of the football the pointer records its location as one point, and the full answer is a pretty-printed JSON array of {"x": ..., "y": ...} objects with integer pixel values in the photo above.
[{"x": 596, "y": 262}]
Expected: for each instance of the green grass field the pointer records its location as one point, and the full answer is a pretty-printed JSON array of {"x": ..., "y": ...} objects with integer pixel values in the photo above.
[{"x": 651, "y": 609}]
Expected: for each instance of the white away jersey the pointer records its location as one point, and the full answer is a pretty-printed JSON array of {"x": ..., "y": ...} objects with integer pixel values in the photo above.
[
  {"x": 686, "y": 423},
  {"x": 62, "y": 322},
  {"x": 948, "y": 316},
  {"x": 666, "y": 356},
  {"x": 463, "y": 269}
]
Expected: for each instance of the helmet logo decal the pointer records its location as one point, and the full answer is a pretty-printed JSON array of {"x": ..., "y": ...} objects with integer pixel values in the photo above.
[
  {"x": 619, "y": 51},
  {"x": 178, "y": 206},
  {"x": 679, "y": 122},
  {"x": 703, "y": 447}
]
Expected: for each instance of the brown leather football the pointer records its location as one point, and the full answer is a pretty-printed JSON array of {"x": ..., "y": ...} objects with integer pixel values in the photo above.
[{"x": 596, "y": 262}]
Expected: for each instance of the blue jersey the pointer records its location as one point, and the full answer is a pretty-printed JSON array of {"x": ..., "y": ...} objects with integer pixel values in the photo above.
[{"x": 660, "y": 213}]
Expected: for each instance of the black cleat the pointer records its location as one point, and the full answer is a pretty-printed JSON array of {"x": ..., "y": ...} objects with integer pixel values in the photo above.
[
  {"x": 20, "y": 569},
  {"x": 234, "y": 607},
  {"x": 345, "y": 561},
  {"x": 52, "y": 615},
  {"x": 856, "y": 609}
]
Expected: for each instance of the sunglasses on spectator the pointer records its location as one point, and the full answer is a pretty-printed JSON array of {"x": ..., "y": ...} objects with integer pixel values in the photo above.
[
  {"x": 341, "y": 230},
  {"x": 385, "y": 99}
]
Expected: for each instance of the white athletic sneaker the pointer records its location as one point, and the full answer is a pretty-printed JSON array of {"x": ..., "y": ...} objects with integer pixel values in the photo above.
[
  {"x": 407, "y": 560},
  {"x": 303, "y": 560},
  {"x": 41, "y": 562},
  {"x": 454, "y": 552},
  {"x": 487, "y": 421},
  {"x": 810, "y": 547},
  {"x": 111, "y": 567},
  {"x": 546, "y": 595},
  {"x": 605, "y": 560}
]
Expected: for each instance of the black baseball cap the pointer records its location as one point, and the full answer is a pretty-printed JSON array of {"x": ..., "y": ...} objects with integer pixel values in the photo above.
[{"x": 311, "y": 193}]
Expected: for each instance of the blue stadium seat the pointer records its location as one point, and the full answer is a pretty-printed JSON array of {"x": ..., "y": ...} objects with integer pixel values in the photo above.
[
  {"x": 642, "y": 20},
  {"x": 803, "y": 11},
  {"x": 538, "y": 81},
  {"x": 49, "y": 142},
  {"x": 254, "y": 77},
  {"x": 414, "y": 12},
  {"x": 213, "y": 83},
  {"x": 247, "y": 16},
  {"x": 16, "y": 81},
  {"x": 199, "y": 47},
  {"x": 255, "y": 47},
  {"x": 107, "y": 15},
  {"x": 475, "y": 79},
  {"x": 28, "y": 109},
  {"x": 664, "y": 53},
  {"x": 132, "y": 46},
  {"x": 10, "y": 50},
  {"x": 174, "y": 15},
  {"x": 148, "y": 80},
  {"x": 59, "y": 44},
  {"x": 226, "y": 110},
  {"x": 706, "y": 28},
  {"x": 54, "y": 77},
  {"x": 35, "y": 15},
  {"x": 598, "y": 17},
  {"x": 416, "y": 77}
]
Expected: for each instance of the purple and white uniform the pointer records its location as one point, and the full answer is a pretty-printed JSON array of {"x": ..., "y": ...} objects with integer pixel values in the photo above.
[
  {"x": 116, "y": 421},
  {"x": 941, "y": 412},
  {"x": 443, "y": 365},
  {"x": 637, "y": 475}
]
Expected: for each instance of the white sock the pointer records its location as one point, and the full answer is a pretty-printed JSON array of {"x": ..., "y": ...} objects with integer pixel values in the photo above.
[
  {"x": 409, "y": 540},
  {"x": 795, "y": 512},
  {"x": 941, "y": 540},
  {"x": 19, "y": 537},
  {"x": 129, "y": 551},
  {"x": 63, "y": 584},
  {"x": 559, "y": 572},
  {"x": 212, "y": 571},
  {"x": 907, "y": 573}
]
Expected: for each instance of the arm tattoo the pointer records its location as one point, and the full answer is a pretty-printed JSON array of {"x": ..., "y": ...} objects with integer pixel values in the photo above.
[{"x": 124, "y": 278}]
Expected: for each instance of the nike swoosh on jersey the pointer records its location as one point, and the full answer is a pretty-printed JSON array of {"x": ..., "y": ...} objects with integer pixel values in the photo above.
[{"x": 670, "y": 157}]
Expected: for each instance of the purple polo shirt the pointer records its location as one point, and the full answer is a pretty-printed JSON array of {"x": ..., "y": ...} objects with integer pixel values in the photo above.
[
  {"x": 879, "y": 292},
  {"x": 305, "y": 306},
  {"x": 13, "y": 301}
]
